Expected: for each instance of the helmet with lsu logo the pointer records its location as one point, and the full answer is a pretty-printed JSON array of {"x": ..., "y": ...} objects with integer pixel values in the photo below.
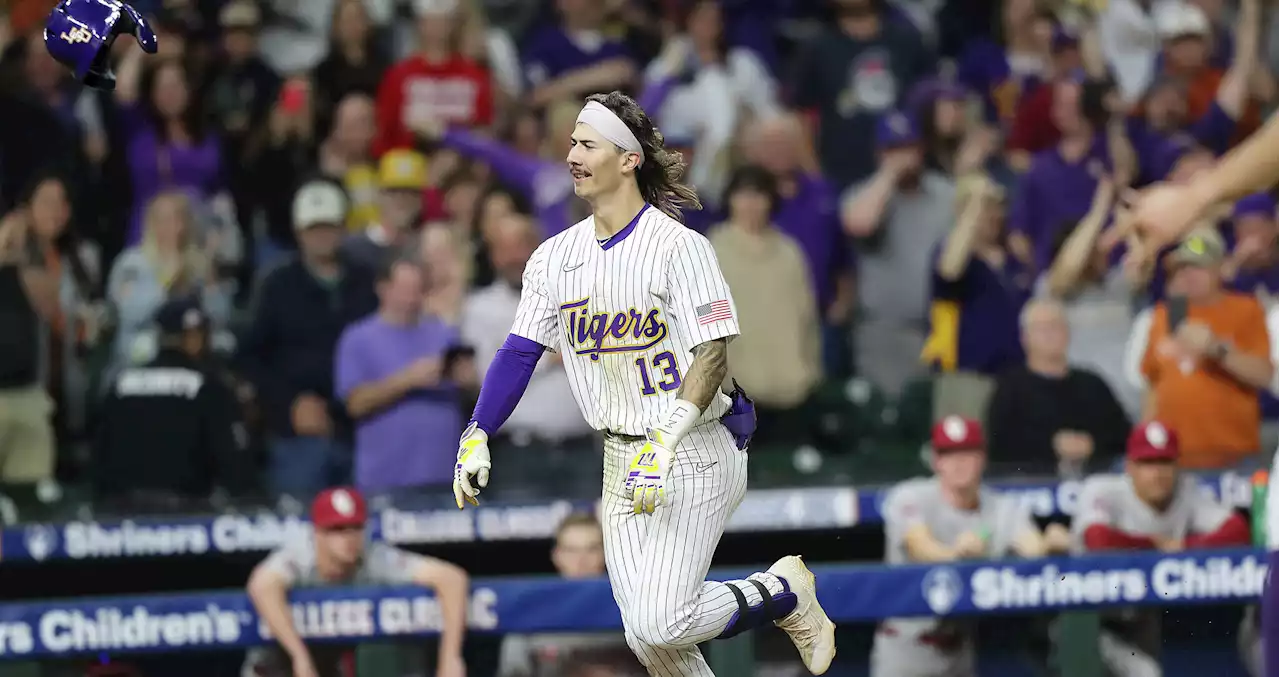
[{"x": 79, "y": 35}]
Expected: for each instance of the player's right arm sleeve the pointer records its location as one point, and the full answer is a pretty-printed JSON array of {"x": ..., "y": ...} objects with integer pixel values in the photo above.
[
  {"x": 505, "y": 382},
  {"x": 537, "y": 316},
  {"x": 702, "y": 307}
]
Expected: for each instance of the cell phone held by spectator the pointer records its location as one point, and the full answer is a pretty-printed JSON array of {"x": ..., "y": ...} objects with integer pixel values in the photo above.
[{"x": 1176, "y": 307}]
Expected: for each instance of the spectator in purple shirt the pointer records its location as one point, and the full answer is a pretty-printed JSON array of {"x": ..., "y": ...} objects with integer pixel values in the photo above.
[
  {"x": 1251, "y": 267},
  {"x": 1059, "y": 186},
  {"x": 1164, "y": 132},
  {"x": 399, "y": 372},
  {"x": 167, "y": 143},
  {"x": 575, "y": 57},
  {"x": 978, "y": 288},
  {"x": 1003, "y": 72}
]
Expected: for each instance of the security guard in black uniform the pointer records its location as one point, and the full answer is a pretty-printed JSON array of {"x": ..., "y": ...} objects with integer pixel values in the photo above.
[{"x": 170, "y": 432}]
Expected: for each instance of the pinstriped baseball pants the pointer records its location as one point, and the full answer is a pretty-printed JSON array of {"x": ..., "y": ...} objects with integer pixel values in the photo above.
[{"x": 658, "y": 563}]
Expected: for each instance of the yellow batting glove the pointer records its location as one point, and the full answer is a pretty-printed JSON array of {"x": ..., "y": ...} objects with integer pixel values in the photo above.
[
  {"x": 473, "y": 463},
  {"x": 647, "y": 475}
]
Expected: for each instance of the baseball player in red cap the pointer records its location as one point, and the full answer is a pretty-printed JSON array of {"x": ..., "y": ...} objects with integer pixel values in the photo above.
[
  {"x": 948, "y": 517},
  {"x": 1150, "y": 507},
  {"x": 338, "y": 553}
]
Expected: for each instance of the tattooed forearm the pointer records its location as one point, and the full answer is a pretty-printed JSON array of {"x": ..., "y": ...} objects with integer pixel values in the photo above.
[{"x": 702, "y": 381}]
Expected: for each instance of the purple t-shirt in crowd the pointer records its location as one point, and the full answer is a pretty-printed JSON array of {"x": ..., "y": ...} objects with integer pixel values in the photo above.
[
  {"x": 551, "y": 52},
  {"x": 984, "y": 68},
  {"x": 1055, "y": 193},
  {"x": 1158, "y": 153},
  {"x": 987, "y": 338},
  {"x": 811, "y": 217},
  {"x": 412, "y": 442},
  {"x": 156, "y": 165}
]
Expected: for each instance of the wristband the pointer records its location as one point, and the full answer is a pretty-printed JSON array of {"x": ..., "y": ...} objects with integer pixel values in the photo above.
[{"x": 677, "y": 421}]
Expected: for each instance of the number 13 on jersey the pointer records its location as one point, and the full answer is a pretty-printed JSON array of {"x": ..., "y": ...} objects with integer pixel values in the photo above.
[{"x": 664, "y": 366}]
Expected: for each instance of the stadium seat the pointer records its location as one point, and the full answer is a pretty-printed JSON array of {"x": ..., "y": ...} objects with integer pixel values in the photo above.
[
  {"x": 847, "y": 412},
  {"x": 915, "y": 411}
]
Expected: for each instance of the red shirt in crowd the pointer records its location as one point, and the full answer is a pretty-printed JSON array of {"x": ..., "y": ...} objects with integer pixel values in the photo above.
[
  {"x": 458, "y": 91},
  {"x": 1033, "y": 129}
]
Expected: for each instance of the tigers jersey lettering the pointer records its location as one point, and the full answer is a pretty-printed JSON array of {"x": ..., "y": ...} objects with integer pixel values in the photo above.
[{"x": 626, "y": 315}]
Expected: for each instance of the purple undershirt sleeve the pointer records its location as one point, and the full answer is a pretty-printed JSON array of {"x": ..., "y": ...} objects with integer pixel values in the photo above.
[{"x": 505, "y": 382}]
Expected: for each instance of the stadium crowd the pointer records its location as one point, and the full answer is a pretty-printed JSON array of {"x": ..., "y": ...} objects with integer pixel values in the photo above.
[{"x": 279, "y": 256}]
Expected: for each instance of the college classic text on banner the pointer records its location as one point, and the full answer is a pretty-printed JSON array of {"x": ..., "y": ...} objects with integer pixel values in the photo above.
[
  {"x": 211, "y": 620},
  {"x": 761, "y": 510}
]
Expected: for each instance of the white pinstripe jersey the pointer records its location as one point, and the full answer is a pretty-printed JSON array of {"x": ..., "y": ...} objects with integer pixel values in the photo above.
[{"x": 626, "y": 314}]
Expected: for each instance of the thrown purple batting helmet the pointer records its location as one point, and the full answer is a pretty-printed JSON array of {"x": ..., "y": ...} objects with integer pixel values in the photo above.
[{"x": 79, "y": 34}]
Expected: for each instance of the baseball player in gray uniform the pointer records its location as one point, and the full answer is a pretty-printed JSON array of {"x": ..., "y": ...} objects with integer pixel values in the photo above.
[
  {"x": 637, "y": 306},
  {"x": 1150, "y": 507},
  {"x": 337, "y": 553},
  {"x": 948, "y": 517}
]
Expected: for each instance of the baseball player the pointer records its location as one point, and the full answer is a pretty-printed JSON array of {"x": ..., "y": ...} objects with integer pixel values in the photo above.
[
  {"x": 1270, "y": 604},
  {"x": 337, "y": 553},
  {"x": 1150, "y": 507},
  {"x": 636, "y": 305},
  {"x": 948, "y": 517}
]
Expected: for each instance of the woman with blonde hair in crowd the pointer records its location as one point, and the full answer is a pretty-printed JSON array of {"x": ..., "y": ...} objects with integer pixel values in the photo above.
[{"x": 169, "y": 263}]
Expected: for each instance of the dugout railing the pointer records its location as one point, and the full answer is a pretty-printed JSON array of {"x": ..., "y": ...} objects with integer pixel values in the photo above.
[{"x": 1075, "y": 588}]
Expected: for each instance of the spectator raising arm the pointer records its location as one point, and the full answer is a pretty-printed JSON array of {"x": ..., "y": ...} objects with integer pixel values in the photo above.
[
  {"x": 958, "y": 247},
  {"x": 1082, "y": 246},
  {"x": 864, "y": 211},
  {"x": 39, "y": 286},
  {"x": 546, "y": 185},
  {"x": 1233, "y": 91},
  {"x": 1164, "y": 212}
]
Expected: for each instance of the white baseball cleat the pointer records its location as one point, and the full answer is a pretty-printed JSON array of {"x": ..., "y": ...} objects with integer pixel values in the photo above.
[{"x": 808, "y": 626}]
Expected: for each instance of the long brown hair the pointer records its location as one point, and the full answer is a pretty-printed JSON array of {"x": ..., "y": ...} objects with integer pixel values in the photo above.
[{"x": 659, "y": 175}]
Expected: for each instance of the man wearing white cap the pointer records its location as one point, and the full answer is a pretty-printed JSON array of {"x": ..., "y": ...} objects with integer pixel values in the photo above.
[
  {"x": 637, "y": 305},
  {"x": 287, "y": 352}
]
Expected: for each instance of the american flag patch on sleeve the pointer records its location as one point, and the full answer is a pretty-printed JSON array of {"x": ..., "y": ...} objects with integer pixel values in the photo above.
[{"x": 713, "y": 312}]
